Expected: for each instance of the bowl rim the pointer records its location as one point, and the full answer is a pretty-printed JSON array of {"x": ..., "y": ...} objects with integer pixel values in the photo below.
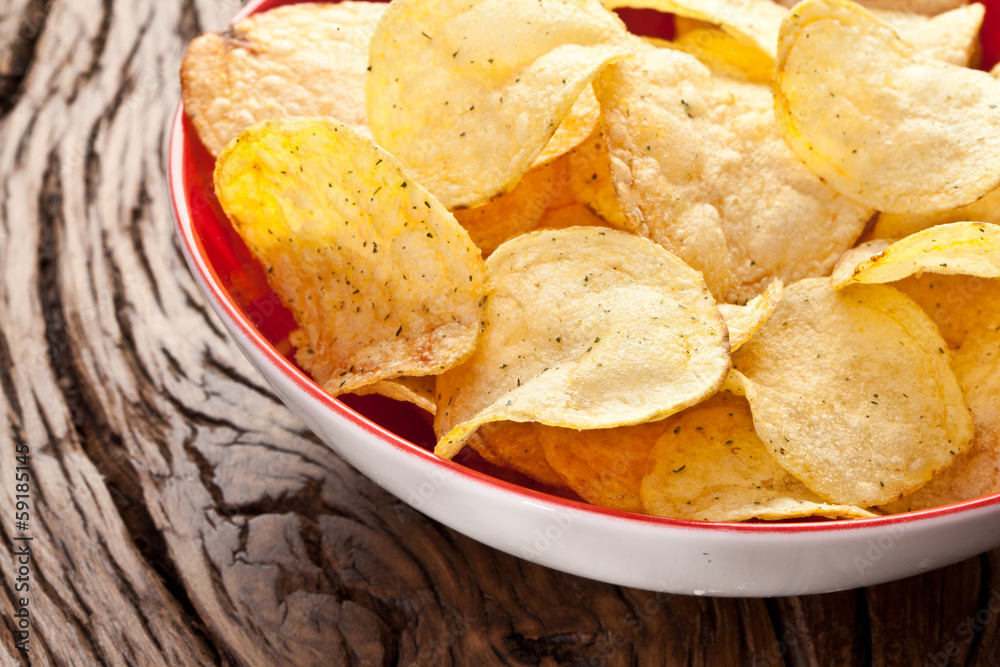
[{"x": 224, "y": 305}]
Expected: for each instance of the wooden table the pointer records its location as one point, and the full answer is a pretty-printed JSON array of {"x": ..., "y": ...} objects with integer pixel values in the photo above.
[{"x": 179, "y": 514}]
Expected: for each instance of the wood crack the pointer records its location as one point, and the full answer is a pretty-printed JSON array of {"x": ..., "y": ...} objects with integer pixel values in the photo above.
[
  {"x": 234, "y": 375},
  {"x": 98, "y": 42},
  {"x": 7, "y": 383},
  {"x": 15, "y": 70},
  {"x": 141, "y": 212},
  {"x": 189, "y": 25},
  {"x": 982, "y": 602},
  {"x": 562, "y": 646},
  {"x": 195, "y": 417},
  {"x": 199, "y": 307},
  {"x": 863, "y": 629}
]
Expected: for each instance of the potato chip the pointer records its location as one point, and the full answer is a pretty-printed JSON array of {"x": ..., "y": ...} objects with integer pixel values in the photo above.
[
  {"x": 583, "y": 118},
  {"x": 699, "y": 167},
  {"x": 380, "y": 278},
  {"x": 467, "y": 93},
  {"x": 924, "y": 7},
  {"x": 518, "y": 211},
  {"x": 590, "y": 180},
  {"x": 308, "y": 59},
  {"x": 724, "y": 54},
  {"x": 879, "y": 122},
  {"x": 857, "y": 255},
  {"x": 752, "y": 22},
  {"x": 744, "y": 321},
  {"x": 959, "y": 305},
  {"x": 952, "y": 36},
  {"x": 968, "y": 248},
  {"x": 853, "y": 392},
  {"x": 574, "y": 215},
  {"x": 603, "y": 466},
  {"x": 709, "y": 465},
  {"x": 515, "y": 445},
  {"x": 976, "y": 471},
  {"x": 416, "y": 390},
  {"x": 898, "y": 225},
  {"x": 585, "y": 328}
]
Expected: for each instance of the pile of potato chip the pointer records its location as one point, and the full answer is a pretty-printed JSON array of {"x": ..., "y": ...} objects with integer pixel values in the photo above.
[{"x": 752, "y": 272}]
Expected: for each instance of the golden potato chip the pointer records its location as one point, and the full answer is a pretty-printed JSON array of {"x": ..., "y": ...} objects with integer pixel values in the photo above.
[
  {"x": 878, "y": 121},
  {"x": 752, "y": 22},
  {"x": 308, "y": 59},
  {"x": 976, "y": 471},
  {"x": 744, "y": 321},
  {"x": 968, "y": 248},
  {"x": 468, "y": 93},
  {"x": 603, "y": 466},
  {"x": 709, "y": 465},
  {"x": 574, "y": 215},
  {"x": 416, "y": 390},
  {"x": 898, "y": 225},
  {"x": 724, "y": 54},
  {"x": 574, "y": 129},
  {"x": 518, "y": 211},
  {"x": 853, "y": 392},
  {"x": 684, "y": 25},
  {"x": 515, "y": 445},
  {"x": 590, "y": 180},
  {"x": 585, "y": 328},
  {"x": 857, "y": 255},
  {"x": 380, "y": 278},
  {"x": 924, "y": 7},
  {"x": 958, "y": 304},
  {"x": 952, "y": 36},
  {"x": 699, "y": 167}
]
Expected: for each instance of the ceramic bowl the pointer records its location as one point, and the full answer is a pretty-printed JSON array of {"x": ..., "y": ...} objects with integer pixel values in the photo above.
[{"x": 389, "y": 443}]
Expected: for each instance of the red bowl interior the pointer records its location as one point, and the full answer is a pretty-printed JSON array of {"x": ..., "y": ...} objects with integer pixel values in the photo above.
[{"x": 242, "y": 281}]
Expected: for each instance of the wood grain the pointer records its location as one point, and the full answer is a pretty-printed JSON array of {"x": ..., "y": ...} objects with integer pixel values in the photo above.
[{"x": 181, "y": 515}]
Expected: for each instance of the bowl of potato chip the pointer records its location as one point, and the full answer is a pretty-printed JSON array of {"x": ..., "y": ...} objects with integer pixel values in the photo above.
[{"x": 696, "y": 296}]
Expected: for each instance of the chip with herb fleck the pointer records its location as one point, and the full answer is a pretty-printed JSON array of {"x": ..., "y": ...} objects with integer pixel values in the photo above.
[
  {"x": 468, "y": 93},
  {"x": 878, "y": 121},
  {"x": 381, "y": 279},
  {"x": 710, "y": 465},
  {"x": 308, "y": 59},
  {"x": 967, "y": 248},
  {"x": 700, "y": 168},
  {"x": 976, "y": 471},
  {"x": 585, "y": 328},
  {"x": 853, "y": 392}
]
